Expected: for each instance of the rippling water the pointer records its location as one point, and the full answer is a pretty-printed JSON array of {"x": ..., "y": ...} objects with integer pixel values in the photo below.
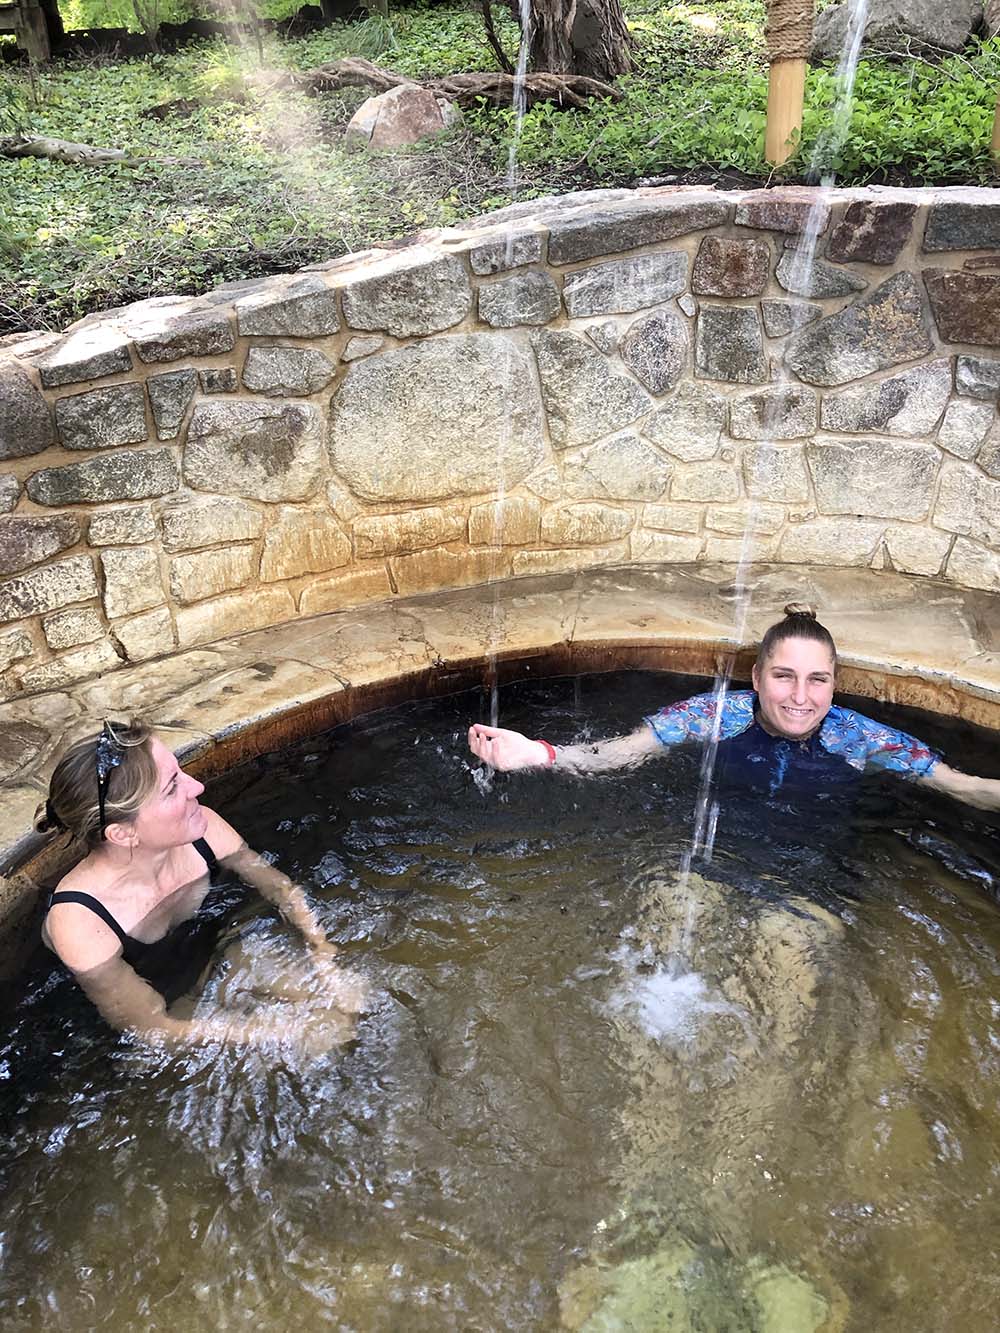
[{"x": 545, "y": 1119}]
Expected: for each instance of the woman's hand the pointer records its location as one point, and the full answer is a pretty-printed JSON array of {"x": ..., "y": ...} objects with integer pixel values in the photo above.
[{"x": 506, "y": 750}]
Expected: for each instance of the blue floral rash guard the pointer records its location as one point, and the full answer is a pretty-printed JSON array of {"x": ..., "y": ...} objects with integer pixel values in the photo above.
[{"x": 835, "y": 756}]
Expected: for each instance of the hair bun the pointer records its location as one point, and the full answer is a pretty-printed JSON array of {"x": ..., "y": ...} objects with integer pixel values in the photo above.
[
  {"x": 800, "y": 609},
  {"x": 46, "y": 819}
]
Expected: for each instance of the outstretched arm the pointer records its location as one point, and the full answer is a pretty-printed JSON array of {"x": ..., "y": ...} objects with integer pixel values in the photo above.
[
  {"x": 509, "y": 751},
  {"x": 983, "y": 793}
]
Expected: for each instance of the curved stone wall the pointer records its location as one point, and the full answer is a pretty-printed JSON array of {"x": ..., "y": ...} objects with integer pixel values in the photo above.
[{"x": 636, "y": 373}]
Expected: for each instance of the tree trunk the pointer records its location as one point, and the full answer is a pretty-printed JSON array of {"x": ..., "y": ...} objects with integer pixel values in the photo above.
[
  {"x": 53, "y": 21},
  {"x": 992, "y": 17},
  {"x": 586, "y": 37}
]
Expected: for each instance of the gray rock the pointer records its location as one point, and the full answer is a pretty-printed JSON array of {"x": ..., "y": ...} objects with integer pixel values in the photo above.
[
  {"x": 952, "y": 225},
  {"x": 25, "y": 541},
  {"x": 988, "y": 457},
  {"x": 584, "y": 396},
  {"x": 287, "y": 372},
  {"x": 730, "y": 345},
  {"x": 622, "y": 285},
  {"x": 783, "y": 413},
  {"x": 655, "y": 349},
  {"x": 892, "y": 25},
  {"x": 127, "y": 474},
  {"x": 621, "y": 468},
  {"x": 122, "y": 526},
  {"x": 781, "y": 317},
  {"x": 726, "y": 267},
  {"x": 69, "y": 629},
  {"x": 602, "y": 232},
  {"x": 877, "y": 478},
  {"x": 880, "y": 330},
  {"x": 965, "y": 427},
  {"x": 264, "y": 451},
  {"x": 771, "y": 472},
  {"x": 15, "y": 646},
  {"x": 690, "y": 425},
  {"x": 358, "y": 347},
  {"x": 968, "y": 504},
  {"x": 169, "y": 396},
  {"x": 803, "y": 276},
  {"x": 792, "y": 209},
  {"x": 525, "y": 298},
  {"x": 195, "y": 523},
  {"x": 870, "y": 232},
  {"x": 688, "y": 304},
  {"x": 48, "y": 589},
  {"x": 425, "y": 296},
  {"x": 102, "y": 418},
  {"x": 84, "y": 355},
  {"x": 977, "y": 377},
  {"x": 454, "y": 416},
  {"x": 910, "y": 403},
  {"x": 302, "y": 308},
  {"x": 506, "y": 252},
  {"x": 25, "y": 419},
  {"x": 10, "y": 492},
  {"x": 605, "y": 337},
  {"x": 132, "y": 580},
  {"x": 219, "y": 379},
  {"x": 189, "y": 333}
]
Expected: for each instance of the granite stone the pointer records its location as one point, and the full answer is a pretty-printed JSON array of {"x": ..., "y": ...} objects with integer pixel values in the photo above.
[
  {"x": 655, "y": 349},
  {"x": 955, "y": 225},
  {"x": 287, "y": 372},
  {"x": 263, "y": 451},
  {"x": 27, "y": 540},
  {"x": 102, "y": 418},
  {"x": 815, "y": 278},
  {"x": 302, "y": 308},
  {"x": 689, "y": 426},
  {"x": 25, "y": 417},
  {"x": 730, "y": 345},
  {"x": 127, "y": 474},
  {"x": 584, "y": 396},
  {"x": 781, "y": 317},
  {"x": 977, "y": 377},
  {"x": 622, "y": 285},
  {"x": 422, "y": 297},
  {"x": 910, "y": 403},
  {"x": 169, "y": 396},
  {"x": 966, "y": 306},
  {"x": 726, "y": 267},
  {"x": 783, "y": 413},
  {"x": 871, "y": 233},
  {"x": 591, "y": 232},
  {"x": 874, "y": 478},
  {"x": 523, "y": 298}
]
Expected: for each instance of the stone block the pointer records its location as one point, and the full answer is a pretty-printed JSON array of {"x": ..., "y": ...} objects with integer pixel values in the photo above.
[
  {"x": 207, "y": 573},
  {"x": 968, "y": 504},
  {"x": 546, "y": 483},
  {"x": 102, "y": 418},
  {"x": 10, "y": 492},
  {"x": 965, "y": 427},
  {"x": 761, "y": 520},
  {"x": 664, "y": 548},
  {"x": 584, "y": 396},
  {"x": 727, "y": 267},
  {"x": 219, "y": 379},
  {"x": 688, "y": 304},
  {"x": 585, "y": 524},
  {"x": 412, "y": 297},
  {"x": 342, "y": 502},
  {"x": 829, "y": 541},
  {"x": 690, "y": 425},
  {"x": 506, "y": 252},
  {"x": 593, "y": 232},
  {"x": 524, "y": 298},
  {"x": 48, "y": 589},
  {"x": 131, "y": 581},
  {"x": 25, "y": 417},
  {"x": 988, "y": 457},
  {"x": 956, "y": 225},
  {"x": 358, "y": 347},
  {"x": 730, "y": 345},
  {"x": 15, "y": 646},
  {"x": 623, "y": 467},
  {"x": 787, "y": 210},
  {"x": 264, "y": 451},
  {"x": 122, "y": 527},
  {"x": 300, "y": 308},
  {"x": 672, "y": 517},
  {"x": 92, "y": 660},
  {"x": 781, "y": 317},
  {"x": 774, "y": 473},
  {"x": 526, "y": 563},
  {"x": 127, "y": 474},
  {"x": 973, "y": 566},
  {"x": 412, "y": 530},
  {"x": 162, "y": 336},
  {"x": 734, "y": 550},
  {"x": 782, "y": 413},
  {"x": 70, "y": 629},
  {"x": 802, "y": 274},
  {"x": 655, "y": 349},
  {"x": 704, "y": 481},
  {"x": 195, "y": 523},
  {"x": 234, "y": 613},
  {"x": 879, "y": 330},
  {"x": 872, "y": 233},
  {"x": 513, "y": 521},
  {"x": 622, "y": 285},
  {"x": 966, "y": 306},
  {"x": 914, "y": 549},
  {"x": 429, "y": 571},
  {"x": 146, "y": 636},
  {"x": 448, "y": 417},
  {"x": 169, "y": 396},
  {"x": 360, "y": 586},
  {"x": 605, "y": 337},
  {"x": 287, "y": 372},
  {"x": 303, "y": 541},
  {"x": 84, "y": 354},
  {"x": 910, "y": 403},
  {"x": 876, "y": 478},
  {"x": 977, "y": 377},
  {"x": 28, "y": 540}
]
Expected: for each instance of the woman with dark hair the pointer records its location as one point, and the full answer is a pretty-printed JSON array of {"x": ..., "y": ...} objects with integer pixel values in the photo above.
[
  {"x": 123, "y": 916},
  {"x": 784, "y": 734}
]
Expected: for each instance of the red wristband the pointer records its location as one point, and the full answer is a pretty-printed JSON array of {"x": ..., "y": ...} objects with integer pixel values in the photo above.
[{"x": 550, "y": 750}]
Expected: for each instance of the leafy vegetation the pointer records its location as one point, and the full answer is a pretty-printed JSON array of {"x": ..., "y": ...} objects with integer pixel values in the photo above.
[{"x": 275, "y": 189}]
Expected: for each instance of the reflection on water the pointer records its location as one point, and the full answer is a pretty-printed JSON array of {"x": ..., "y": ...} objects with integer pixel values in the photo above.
[{"x": 542, "y": 1120}]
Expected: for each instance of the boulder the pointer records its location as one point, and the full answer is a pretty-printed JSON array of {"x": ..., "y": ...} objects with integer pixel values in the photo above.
[
  {"x": 400, "y": 116},
  {"x": 895, "y": 25}
]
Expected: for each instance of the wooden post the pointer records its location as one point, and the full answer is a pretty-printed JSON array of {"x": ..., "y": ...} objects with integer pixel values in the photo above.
[
  {"x": 786, "y": 93},
  {"x": 995, "y": 141},
  {"x": 32, "y": 33}
]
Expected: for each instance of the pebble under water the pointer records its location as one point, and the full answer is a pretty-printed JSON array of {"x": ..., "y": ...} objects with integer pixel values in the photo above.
[{"x": 546, "y": 1119}]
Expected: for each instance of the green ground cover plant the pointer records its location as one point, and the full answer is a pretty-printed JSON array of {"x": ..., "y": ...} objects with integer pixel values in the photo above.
[{"x": 272, "y": 187}]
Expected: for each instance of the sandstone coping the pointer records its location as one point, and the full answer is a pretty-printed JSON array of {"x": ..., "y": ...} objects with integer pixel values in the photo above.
[{"x": 902, "y": 639}]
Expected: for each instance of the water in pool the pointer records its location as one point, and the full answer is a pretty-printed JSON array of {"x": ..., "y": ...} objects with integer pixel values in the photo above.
[{"x": 547, "y": 1119}]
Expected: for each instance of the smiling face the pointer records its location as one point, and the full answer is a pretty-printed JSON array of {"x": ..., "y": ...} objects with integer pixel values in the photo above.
[
  {"x": 171, "y": 816},
  {"x": 795, "y": 687}
]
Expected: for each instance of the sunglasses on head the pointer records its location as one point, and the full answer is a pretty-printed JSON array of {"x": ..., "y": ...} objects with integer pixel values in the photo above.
[{"x": 108, "y": 754}]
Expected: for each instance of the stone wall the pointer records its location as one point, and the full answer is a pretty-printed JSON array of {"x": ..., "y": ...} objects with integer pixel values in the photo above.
[{"x": 638, "y": 374}]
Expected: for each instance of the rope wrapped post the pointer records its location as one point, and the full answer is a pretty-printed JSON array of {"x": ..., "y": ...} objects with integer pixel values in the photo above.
[{"x": 789, "y": 31}]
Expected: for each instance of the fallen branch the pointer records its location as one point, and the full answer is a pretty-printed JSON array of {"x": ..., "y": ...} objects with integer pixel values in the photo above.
[{"x": 84, "y": 154}]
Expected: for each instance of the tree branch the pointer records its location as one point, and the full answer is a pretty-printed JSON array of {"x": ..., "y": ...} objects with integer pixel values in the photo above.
[
  {"x": 491, "y": 36},
  {"x": 84, "y": 154}
]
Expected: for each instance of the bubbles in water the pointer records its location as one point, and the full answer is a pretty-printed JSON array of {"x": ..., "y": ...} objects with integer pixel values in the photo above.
[{"x": 669, "y": 1006}]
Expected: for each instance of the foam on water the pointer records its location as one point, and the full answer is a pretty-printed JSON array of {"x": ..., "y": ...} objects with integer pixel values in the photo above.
[{"x": 669, "y": 1006}]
